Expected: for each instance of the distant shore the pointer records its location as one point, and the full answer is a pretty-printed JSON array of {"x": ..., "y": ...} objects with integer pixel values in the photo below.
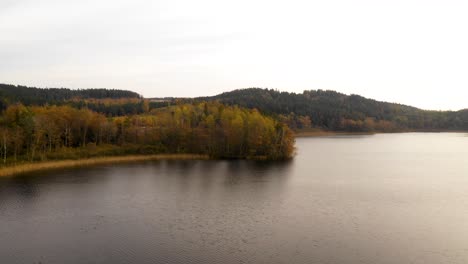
[
  {"x": 60, "y": 164},
  {"x": 325, "y": 133}
]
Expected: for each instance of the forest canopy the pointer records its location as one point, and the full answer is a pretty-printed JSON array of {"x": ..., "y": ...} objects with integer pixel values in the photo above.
[{"x": 31, "y": 133}]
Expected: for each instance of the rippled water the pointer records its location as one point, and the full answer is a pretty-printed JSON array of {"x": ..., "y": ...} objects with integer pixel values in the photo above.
[{"x": 392, "y": 198}]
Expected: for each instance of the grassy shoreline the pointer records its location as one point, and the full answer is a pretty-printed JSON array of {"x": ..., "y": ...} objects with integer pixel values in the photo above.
[{"x": 61, "y": 164}]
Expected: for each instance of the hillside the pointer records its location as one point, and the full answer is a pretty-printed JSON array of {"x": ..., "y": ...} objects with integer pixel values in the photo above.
[
  {"x": 328, "y": 110},
  {"x": 340, "y": 112}
]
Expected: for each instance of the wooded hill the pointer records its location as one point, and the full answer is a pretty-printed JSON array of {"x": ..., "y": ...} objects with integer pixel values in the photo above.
[
  {"x": 327, "y": 110},
  {"x": 335, "y": 111}
]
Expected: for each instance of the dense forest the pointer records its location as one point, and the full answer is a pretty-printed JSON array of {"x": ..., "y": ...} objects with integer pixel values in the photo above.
[
  {"x": 31, "y": 133},
  {"x": 328, "y": 110},
  {"x": 106, "y": 101},
  {"x": 339, "y": 112},
  {"x": 40, "y": 96}
]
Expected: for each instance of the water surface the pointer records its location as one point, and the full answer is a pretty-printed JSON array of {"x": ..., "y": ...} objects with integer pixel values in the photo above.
[{"x": 390, "y": 198}]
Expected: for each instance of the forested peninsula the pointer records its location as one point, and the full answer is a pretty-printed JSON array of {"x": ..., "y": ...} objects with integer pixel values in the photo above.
[{"x": 83, "y": 124}]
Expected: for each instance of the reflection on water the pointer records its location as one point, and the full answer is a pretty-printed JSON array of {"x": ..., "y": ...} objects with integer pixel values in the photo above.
[
  {"x": 165, "y": 211},
  {"x": 396, "y": 198}
]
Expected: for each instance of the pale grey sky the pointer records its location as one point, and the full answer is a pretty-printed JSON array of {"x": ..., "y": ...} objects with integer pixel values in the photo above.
[{"x": 407, "y": 51}]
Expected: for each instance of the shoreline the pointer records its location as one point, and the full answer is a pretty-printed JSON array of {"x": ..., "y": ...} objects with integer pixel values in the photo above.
[
  {"x": 29, "y": 167},
  {"x": 323, "y": 133},
  {"x": 301, "y": 134}
]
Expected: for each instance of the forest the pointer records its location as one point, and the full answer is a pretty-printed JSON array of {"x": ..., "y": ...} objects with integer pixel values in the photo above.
[
  {"x": 110, "y": 102},
  {"x": 51, "y": 132},
  {"x": 335, "y": 111},
  {"x": 312, "y": 109},
  {"x": 53, "y": 124},
  {"x": 40, "y": 96}
]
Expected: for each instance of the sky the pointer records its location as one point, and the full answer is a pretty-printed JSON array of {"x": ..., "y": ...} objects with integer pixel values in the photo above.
[{"x": 412, "y": 52}]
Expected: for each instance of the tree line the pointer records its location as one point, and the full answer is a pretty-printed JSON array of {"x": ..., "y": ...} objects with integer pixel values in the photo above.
[
  {"x": 11, "y": 94},
  {"x": 31, "y": 133}
]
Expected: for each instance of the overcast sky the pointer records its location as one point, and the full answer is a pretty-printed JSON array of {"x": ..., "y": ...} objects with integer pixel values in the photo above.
[{"x": 411, "y": 51}]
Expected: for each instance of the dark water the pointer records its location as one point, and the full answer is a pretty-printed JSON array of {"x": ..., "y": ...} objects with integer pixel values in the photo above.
[{"x": 396, "y": 198}]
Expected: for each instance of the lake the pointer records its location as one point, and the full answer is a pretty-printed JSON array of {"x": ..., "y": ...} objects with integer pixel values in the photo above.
[{"x": 385, "y": 198}]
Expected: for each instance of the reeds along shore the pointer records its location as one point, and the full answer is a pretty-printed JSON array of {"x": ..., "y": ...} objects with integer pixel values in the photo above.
[{"x": 38, "y": 166}]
